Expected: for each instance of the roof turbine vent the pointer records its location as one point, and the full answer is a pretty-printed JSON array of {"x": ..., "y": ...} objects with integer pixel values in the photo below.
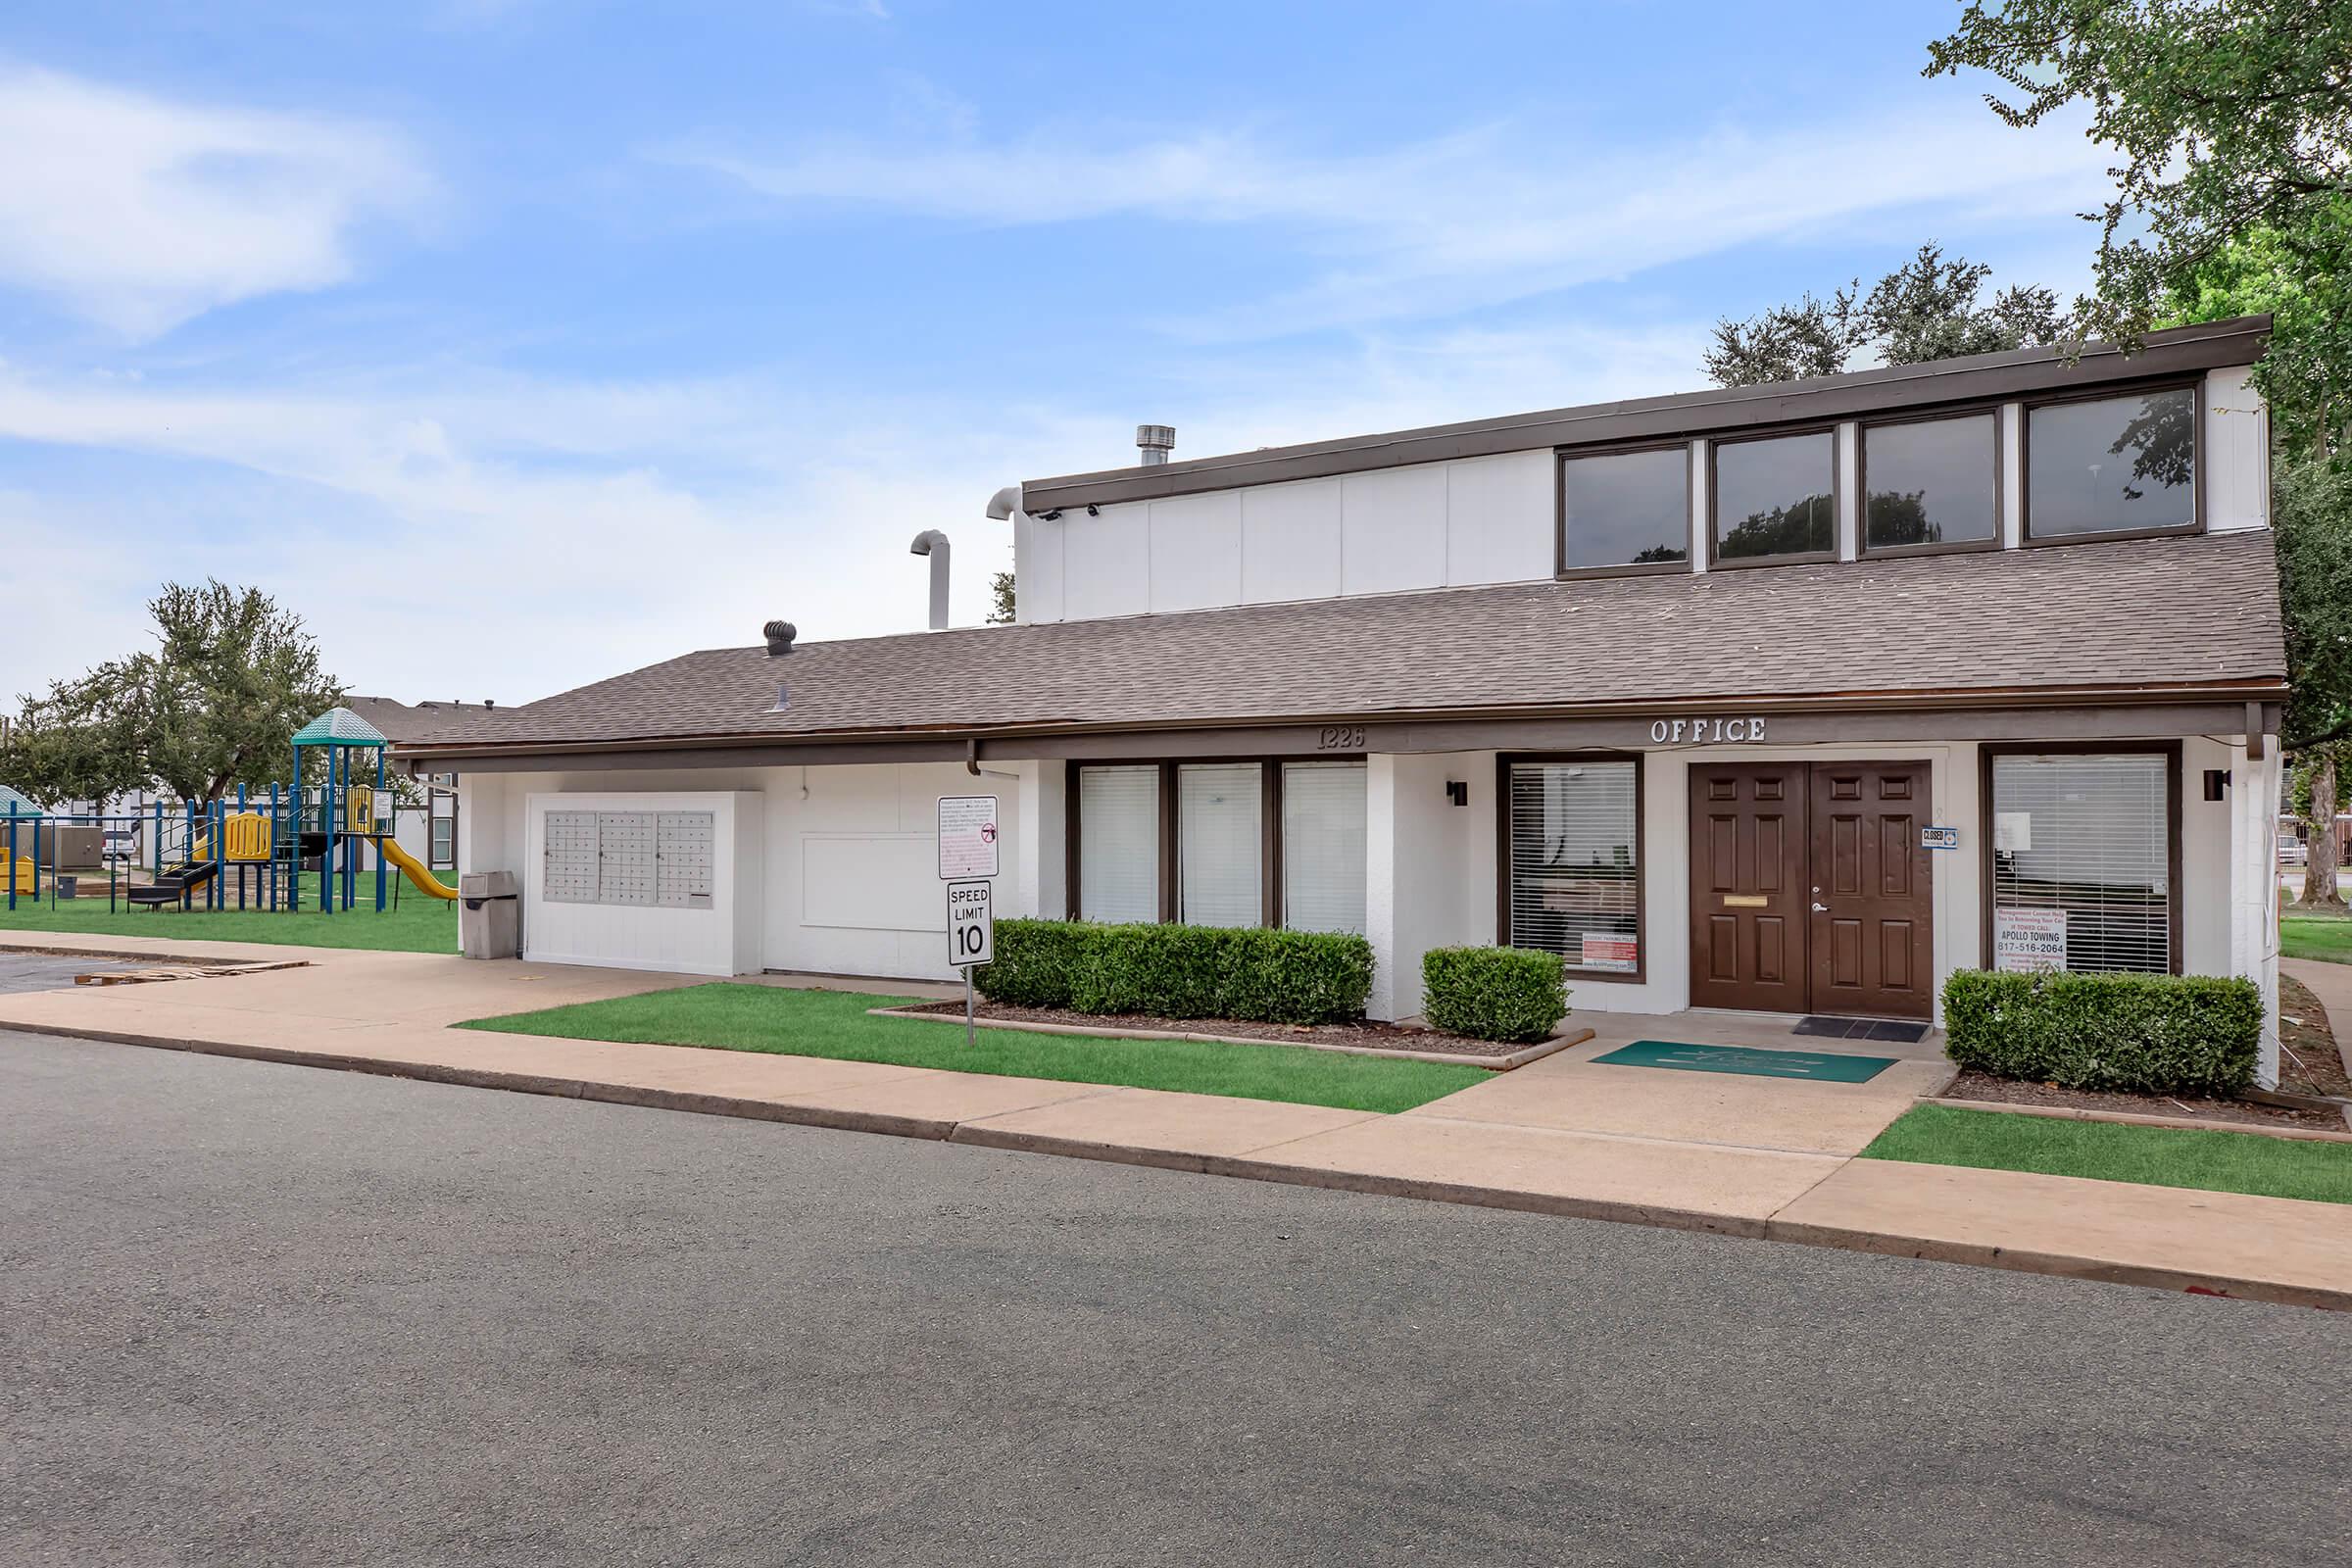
[
  {"x": 1155, "y": 442},
  {"x": 779, "y": 634}
]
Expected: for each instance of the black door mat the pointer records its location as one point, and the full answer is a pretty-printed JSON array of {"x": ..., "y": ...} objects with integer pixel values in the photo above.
[{"x": 1894, "y": 1030}]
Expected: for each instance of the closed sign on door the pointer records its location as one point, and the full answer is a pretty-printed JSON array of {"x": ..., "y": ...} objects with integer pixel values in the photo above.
[{"x": 971, "y": 929}]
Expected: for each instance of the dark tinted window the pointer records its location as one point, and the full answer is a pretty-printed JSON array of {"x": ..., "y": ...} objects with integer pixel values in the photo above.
[
  {"x": 1773, "y": 498},
  {"x": 2120, "y": 463},
  {"x": 1929, "y": 483},
  {"x": 1626, "y": 508}
]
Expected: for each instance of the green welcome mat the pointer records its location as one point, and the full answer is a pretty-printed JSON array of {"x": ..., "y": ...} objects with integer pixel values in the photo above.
[{"x": 1746, "y": 1059}]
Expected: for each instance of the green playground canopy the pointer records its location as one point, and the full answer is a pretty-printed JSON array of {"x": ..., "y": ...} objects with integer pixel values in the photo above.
[
  {"x": 338, "y": 727},
  {"x": 17, "y": 800}
]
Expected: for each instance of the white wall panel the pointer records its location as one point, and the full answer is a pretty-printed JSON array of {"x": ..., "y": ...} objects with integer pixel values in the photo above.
[
  {"x": 2237, "y": 454},
  {"x": 1195, "y": 552},
  {"x": 1393, "y": 529},
  {"x": 1037, "y": 563},
  {"x": 1105, "y": 561},
  {"x": 721, "y": 939},
  {"x": 1498, "y": 519},
  {"x": 872, "y": 881},
  {"x": 1291, "y": 541}
]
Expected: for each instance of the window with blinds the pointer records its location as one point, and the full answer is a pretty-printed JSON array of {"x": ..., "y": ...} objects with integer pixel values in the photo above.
[
  {"x": 1575, "y": 862},
  {"x": 1118, "y": 844},
  {"x": 1220, "y": 843},
  {"x": 1323, "y": 845},
  {"x": 2081, "y": 862}
]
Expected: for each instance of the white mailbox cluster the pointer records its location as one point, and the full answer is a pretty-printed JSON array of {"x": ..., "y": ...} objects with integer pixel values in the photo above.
[{"x": 647, "y": 858}]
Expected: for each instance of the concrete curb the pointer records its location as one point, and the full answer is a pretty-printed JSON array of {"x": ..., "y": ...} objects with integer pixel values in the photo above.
[
  {"x": 1246, "y": 1168},
  {"x": 2133, "y": 1118},
  {"x": 1502, "y": 1063}
]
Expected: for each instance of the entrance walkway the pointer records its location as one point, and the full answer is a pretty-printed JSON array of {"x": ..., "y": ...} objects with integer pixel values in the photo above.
[{"x": 1752, "y": 1157}]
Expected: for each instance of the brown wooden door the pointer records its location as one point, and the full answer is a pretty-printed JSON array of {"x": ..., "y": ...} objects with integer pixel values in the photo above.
[
  {"x": 1748, "y": 886},
  {"x": 1809, "y": 891},
  {"x": 1870, "y": 907}
]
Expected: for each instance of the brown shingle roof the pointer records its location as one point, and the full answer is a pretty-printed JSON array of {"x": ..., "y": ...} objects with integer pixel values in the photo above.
[{"x": 2122, "y": 616}]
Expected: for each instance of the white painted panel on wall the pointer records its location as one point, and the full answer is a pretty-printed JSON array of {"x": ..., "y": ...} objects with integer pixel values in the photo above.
[
  {"x": 872, "y": 882},
  {"x": 2237, "y": 454},
  {"x": 1105, "y": 561},
  {"x": 1196, "y": 550},
  {"x": 1037, "y": 567},
  {"x": 1291, "y": 542},
  {"x": 1498, "y": 519},
  {"x": 1393, "y": 529}
]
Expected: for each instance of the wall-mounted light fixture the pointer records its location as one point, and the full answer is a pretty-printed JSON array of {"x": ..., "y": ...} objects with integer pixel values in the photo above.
[
  {"x": 1457, "y": 791},
  {"x": 2217, "y": 783}
]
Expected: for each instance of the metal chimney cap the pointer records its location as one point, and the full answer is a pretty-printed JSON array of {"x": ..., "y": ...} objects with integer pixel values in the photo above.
[
  {"x": 779, "y": 634},
  {"x": 1156, "y": 437}
]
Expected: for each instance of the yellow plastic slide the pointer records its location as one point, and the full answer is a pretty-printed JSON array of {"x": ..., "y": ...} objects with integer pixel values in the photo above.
[{"x": 412, "y": 868}]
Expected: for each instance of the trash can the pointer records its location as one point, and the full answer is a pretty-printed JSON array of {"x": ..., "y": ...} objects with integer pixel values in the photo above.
[
  {"x": 67, "y": 886},
  {"x": 489, "y": 915}
]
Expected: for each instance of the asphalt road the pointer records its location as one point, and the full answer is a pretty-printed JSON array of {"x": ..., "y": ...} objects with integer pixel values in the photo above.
[{"x": 257, "y": 1314}]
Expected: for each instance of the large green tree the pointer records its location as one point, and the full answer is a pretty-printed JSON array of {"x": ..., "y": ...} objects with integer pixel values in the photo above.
[
  {"x": 2229, "y": 119},
  {"x": 215, "y": 704}
]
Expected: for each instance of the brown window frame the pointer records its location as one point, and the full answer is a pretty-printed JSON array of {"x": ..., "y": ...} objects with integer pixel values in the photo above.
[
  {"x": 1864, "y": 549},
  {"x": 2170, "y": 751},
  {"x": 1270, "y": 846},
  {"x": 1716, "y": 561},
  {"x": 1561, "y": 457},
  {"x": 1504, "y": 762},
  {"x": 2114, "y": 393}
]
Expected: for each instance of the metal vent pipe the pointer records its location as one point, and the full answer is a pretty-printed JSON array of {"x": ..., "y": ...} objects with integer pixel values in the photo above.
[
  {"x": 1155, "y": 442},
  {"x": 931, "y": 542}
]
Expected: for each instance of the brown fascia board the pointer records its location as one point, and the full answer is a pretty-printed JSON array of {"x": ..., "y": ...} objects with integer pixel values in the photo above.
[
  {"x": 859, "y": 745},
  {"x": 1858, "y": 394}
]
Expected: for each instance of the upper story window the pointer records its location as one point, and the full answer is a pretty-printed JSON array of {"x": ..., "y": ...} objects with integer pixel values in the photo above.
[
  {"x": 1776, "y": 498},
  {"x": 1932, "y": 483},
  {"x": 2124, "y": 464},
  {"x": 1622, "y": 509}
]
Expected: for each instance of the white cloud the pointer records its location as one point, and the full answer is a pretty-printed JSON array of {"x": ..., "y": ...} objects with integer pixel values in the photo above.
[
  {"x": 1475, "y": 218},
  {"x": 139, "y": 212}
]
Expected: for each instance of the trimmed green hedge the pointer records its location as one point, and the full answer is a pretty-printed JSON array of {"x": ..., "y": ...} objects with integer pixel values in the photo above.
[
  {"x": 2152, "y": 1034},
  {"x": 1509, "y": 993},
  {"x": 1179, "y": 971}
]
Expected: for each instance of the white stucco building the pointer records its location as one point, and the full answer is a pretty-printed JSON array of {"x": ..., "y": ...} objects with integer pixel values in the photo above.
[{"x": 1792, "y": 699}]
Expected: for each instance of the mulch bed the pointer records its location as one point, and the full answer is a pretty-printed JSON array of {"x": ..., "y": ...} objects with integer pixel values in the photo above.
[
  {"x": 1380, "y": 1036},
  {"x": 2308, "y": 1062}
]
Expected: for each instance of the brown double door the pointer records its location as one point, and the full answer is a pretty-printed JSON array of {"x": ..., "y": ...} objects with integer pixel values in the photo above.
[{"x": 1809, "y": 889}]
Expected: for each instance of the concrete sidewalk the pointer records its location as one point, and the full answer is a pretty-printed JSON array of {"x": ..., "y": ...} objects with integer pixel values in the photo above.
[{"x": 1747, "y": 1156}]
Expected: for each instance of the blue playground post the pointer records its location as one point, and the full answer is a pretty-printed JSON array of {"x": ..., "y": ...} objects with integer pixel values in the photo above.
[
  {"x": 393, "y": 822},
  {"x": 12, "y": 858},
  {"x": 155, "y": 843}
]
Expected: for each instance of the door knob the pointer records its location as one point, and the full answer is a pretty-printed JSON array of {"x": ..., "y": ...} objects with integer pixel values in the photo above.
[{"x": 1820, "y": 908}]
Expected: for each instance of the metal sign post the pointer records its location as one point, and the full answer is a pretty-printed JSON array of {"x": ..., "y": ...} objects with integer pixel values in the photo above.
[{"x": 967, "y": 865}]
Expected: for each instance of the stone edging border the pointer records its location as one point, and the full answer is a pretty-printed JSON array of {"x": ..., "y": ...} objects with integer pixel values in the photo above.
[
  {"x": 1615, "y": 1210},
  {"x": 1502, "y": 1063},
  {"x": 2133, "y": 1118}
]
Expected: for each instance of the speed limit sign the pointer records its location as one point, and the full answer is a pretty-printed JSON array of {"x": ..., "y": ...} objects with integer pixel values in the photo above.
[{"x": 971, "y": 929}]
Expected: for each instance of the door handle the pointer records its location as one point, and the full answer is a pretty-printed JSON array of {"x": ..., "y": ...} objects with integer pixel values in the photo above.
[{"x": 1820, "y": 908}]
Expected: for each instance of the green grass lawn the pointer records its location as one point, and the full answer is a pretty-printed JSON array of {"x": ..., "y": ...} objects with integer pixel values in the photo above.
[
  {"x": 420, "y": 924},
  {"x": 2324, "y": 937},
  {"x": 2112, "y": 1151},
  {"x": 836, "y": 1024}
]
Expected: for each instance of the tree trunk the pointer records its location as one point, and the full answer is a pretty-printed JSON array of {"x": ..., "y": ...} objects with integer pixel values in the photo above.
[{"x": 2319, "y": 871}]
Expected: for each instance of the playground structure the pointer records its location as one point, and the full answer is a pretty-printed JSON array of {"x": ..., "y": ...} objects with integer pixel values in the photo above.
[{"x": 262, "y": 843}]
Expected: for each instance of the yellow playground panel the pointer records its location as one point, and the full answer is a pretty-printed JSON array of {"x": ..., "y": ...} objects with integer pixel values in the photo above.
[
  {"x": 359, "y": 809},
  {"x": 247, "y": 837},
  {"x": 29, "y": 876}
]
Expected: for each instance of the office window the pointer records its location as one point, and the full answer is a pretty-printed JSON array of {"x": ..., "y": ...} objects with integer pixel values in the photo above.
[
  {"x": 1625, "y": 508},
  {"x": 1572, "y": 837},
  {"x": 1221, "y": 838},
  {"x": 1776, "y": 497},
  {"x": 1118, "y": 844},
  {"x": 2119, "y": 464},
  {"x": 1929, "y": 483},
  {"x": 2081, "y": 862},
  {"x": 1323, "y": 845}
]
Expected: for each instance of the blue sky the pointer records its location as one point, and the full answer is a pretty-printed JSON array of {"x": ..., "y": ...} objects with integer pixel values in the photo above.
[{"x": 518, "y": 342}]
